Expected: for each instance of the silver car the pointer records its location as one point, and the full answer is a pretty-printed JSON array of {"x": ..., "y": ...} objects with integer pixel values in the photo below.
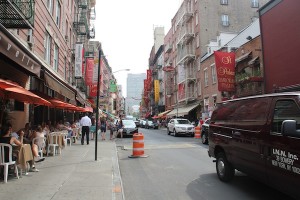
[{"x": 180, "y": 126}]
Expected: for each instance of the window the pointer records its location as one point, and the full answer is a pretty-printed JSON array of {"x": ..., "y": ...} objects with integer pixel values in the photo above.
[
  {"x": 50, "y": 6},
  {"x": 199, "y": 88},
  {"x": 55, "y": 57},
  {"x": 58, "y": 10},
  {"x": 47, "y": 46},
  {"x": 225, "y": 20},
  {"x": 254, "y": 4},
  {"x": 224, "y": 2},
  {"x": 213, "y": 73},
  {"x": 284, "y": 110},
  {"x": 205, "y": 78},
  {"x": 197, "y": 41},
  {"x": 197, "y": 20}
]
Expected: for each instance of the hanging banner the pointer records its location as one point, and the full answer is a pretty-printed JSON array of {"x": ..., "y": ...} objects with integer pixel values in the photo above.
[
  {"x": 78, "y": 60},
  {"x": 89, "y": 71},
  {"x": 156, "y": 91},
  {"x": 149, "y": 74},
  {"x": 93, "y": 90},
  {"x": 95, "y": 71},
  {"x": 112, "y": 86},
  {"x": 225, "y": 67}
]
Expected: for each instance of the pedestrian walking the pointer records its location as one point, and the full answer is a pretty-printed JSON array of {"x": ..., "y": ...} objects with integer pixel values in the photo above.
[
  {"x": 120, "y": 128},
  {"x": 103, "y": 128},
  {"x": 111, "y": 127},
  {"x": 85, "y": 123}
]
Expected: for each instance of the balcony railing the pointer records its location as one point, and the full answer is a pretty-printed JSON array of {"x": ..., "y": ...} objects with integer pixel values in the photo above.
[
  {"x": 17, "y": 13},
  {"x": 185, "y": 12},
  {"x": 185, "y": 53},
  {"x": 186, "y": 33}
]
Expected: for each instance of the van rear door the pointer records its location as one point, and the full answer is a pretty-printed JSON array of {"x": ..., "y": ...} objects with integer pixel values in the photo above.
[{"x": 283, "y": 152}]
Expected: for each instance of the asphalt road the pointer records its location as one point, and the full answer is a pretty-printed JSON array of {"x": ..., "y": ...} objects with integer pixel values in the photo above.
[{"x": 179, "y": 168}]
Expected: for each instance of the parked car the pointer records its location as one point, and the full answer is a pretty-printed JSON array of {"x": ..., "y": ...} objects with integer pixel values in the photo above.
[
  {"x": 204, "y": 131},
  {"x": 129, "y": 127},
  {"x": 151, "y": 124},
  {"x": 142, "y": 123},
  {"x": 260, "y": 136},
  {"x": 180, "y": 126}
]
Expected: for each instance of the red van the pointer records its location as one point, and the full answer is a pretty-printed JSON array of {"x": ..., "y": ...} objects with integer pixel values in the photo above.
[{"x": 260, "y": 136}]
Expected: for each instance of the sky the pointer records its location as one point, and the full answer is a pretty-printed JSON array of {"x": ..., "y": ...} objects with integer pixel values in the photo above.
[{"x": 125, "y": 29}]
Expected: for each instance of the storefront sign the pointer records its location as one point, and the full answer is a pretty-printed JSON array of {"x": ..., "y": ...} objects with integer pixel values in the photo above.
[{"x": 13, "y": 52}]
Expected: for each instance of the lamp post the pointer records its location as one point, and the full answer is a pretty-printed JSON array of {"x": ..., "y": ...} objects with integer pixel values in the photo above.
[{"x": 97, "y": 103}]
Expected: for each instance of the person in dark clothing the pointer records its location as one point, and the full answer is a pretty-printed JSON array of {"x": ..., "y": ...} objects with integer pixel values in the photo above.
[{"x": 103, "y": 128}]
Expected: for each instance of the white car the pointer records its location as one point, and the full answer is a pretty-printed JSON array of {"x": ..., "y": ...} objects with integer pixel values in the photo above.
[{"x": 180, "y": 126}]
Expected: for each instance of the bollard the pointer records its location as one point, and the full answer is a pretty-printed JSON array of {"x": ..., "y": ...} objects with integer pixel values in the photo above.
[
  {"x": 138, "y": 146},
  {"x": 197, "y": 132}
]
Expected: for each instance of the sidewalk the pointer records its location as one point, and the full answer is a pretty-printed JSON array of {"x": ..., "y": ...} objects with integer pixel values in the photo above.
[{"x": 72, "y": 175}]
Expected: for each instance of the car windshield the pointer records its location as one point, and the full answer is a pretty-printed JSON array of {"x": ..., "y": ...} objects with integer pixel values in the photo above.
[
  {"x": 128, "y": 123},
  {"x": 183, "y": 121}
]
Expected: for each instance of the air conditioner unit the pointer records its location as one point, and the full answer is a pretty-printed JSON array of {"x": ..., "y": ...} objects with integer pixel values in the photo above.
[
  {"x": 30, "y": 40},
  {"x": 67, "y": 38}
]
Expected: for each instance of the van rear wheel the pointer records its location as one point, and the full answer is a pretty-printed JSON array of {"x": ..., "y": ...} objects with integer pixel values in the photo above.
[{"x": 224, "y": 169}]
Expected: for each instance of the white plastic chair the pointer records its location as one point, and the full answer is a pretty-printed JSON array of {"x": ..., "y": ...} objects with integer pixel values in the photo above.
[
  {"x": 41, "y": 143},
  {"x": 7, "y": 147},
  {"x": 66, "y": 138},
  {"x": 53, "y": 142},
  {"x": 75, "y": 134}
]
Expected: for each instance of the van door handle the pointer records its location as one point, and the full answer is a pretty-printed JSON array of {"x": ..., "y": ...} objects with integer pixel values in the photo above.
[{"x": 236, "y": 133}]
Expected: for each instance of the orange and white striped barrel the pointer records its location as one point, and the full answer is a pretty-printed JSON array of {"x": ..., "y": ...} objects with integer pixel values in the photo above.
[
  {"x": 197, "y": 132},
  {"x": 138, "y": 145}
]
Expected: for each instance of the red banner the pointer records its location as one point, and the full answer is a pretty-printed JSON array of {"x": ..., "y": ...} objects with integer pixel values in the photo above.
[
  {"x": 149, "y": 75},
  {"x": 225, "y": 68},
  {"x": 89, "y": 71},
  {"x": 93, "y": 90}
]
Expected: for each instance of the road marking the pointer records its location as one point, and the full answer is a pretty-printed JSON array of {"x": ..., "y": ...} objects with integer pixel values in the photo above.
[{"x": 167, "y": 146}]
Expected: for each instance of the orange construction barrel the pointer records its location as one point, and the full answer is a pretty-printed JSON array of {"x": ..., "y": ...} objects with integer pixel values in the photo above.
[
  {"x": 197, "y": 132},
  {"x": 138, "y": 146}
]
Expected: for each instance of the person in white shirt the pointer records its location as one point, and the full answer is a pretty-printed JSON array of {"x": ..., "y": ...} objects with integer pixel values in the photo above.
[{"x": 85, "y": 123}]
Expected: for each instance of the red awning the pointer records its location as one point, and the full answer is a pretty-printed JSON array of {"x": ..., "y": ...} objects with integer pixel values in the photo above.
[{"x": 10, "y": 90}]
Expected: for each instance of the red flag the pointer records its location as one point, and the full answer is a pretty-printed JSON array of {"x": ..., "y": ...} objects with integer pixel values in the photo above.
[
  {"x": 225, "y": 68},
  {"x": 89, "y": 71}
]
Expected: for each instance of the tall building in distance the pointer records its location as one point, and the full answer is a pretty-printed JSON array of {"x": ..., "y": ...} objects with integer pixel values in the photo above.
[{"x": 135, "y": 86}]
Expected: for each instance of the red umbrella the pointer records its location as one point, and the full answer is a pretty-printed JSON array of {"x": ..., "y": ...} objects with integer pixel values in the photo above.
[{"x": 21, "y": 94}]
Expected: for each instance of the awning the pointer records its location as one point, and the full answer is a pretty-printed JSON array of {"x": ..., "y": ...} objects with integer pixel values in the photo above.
[
  {"x": 243, "y": 57},
  {"x": 182, "y": 111},
  {"x": 163, "y": 113},
  {"x": 16, "y": 51},
  {"x": 55, "y": 85},
  {"x": 13, "y": 91},
  {"x": 252, "y": 61}
]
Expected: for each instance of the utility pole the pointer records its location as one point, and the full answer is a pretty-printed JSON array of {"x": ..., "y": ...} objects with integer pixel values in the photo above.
[{"x": 97, "y": 103}]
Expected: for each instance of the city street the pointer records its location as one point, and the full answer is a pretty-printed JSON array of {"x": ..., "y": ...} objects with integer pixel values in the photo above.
[{"x": 179, "y": 168}]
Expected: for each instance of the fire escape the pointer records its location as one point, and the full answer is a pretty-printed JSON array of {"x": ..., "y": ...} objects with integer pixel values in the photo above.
[
  {"x": 186, "y": 83},
  {"x": 81, "y": 21},
  {"x": 18, "y": 14}
]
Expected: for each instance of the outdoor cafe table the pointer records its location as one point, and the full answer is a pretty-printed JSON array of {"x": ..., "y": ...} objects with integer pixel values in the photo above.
[
  {"x": 61, "y": 141},
  {"x": 24, "y": 154}
]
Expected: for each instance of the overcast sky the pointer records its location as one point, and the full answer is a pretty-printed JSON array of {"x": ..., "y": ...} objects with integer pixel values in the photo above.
[{"x": 125, "y": 29}]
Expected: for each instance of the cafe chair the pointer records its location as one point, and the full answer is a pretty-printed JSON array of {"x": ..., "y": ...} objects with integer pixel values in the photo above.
[
  {"x": 53, "y": 143},
  {"x": 75, "y": 134},
  {"x": 66, "y": 139},
  {"x": 3, "y": 148},
  {"x": 41, "y": 143}
]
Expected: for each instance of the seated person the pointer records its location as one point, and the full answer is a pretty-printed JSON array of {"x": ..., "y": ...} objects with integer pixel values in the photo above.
[{"x": 8, "y": 139}]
